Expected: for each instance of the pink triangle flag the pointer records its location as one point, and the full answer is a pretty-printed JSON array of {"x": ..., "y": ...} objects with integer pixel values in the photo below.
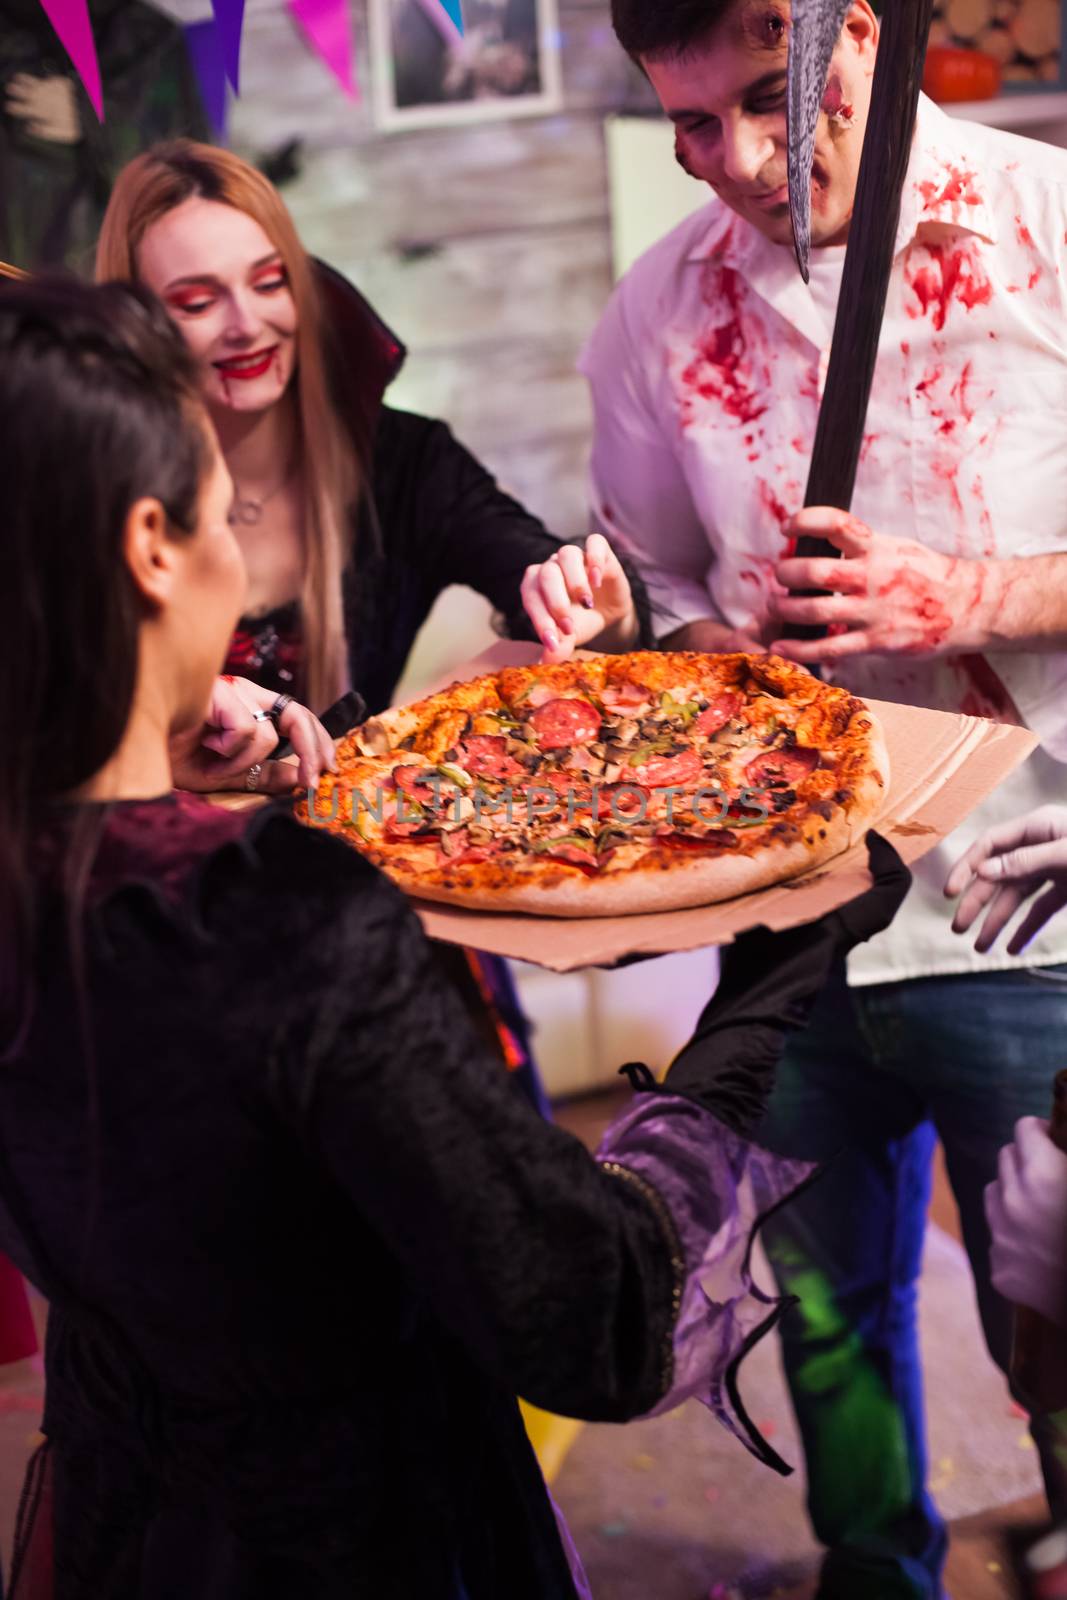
[
  {"x": 70, "y": 19},
  {"x": 328, "y": 27}
]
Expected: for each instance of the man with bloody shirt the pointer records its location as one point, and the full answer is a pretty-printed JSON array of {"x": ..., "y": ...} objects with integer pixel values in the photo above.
[{"x": 706, "y": 371}]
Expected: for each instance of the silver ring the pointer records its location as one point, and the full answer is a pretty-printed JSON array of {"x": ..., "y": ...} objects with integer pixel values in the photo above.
[
  {"x": 252, "y": 776},
  {"x": 261, "y": 716},
  {"x": 279, "y": 706}
]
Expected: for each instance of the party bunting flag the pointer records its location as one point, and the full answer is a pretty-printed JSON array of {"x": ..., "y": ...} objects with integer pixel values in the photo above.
[
  {"x": 447, "y": 18},
  {"x": 229, "y": 20},
  {"x": 205, "y": 53},
  {"x": 70, "y": 19},
  {"x": 453, "y": 11},
  {"x": 328, "y": 27}
]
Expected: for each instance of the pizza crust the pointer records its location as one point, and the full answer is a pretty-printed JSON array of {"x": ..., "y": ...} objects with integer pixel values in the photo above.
[
  {"x": 871, "y": 787},
  {"x": 673, "y": 886}
]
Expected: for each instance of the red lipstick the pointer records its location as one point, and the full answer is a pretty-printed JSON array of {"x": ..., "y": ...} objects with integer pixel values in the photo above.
[{"x": 243, "y": 368}]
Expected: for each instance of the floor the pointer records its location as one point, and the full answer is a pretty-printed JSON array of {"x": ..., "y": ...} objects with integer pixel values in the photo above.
[{"x": 638, "y": 1501}]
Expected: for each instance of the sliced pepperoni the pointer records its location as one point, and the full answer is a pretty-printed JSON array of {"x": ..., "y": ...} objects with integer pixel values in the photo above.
[
  {"x": 660, "y": 771},
  {"x": 722, "y": 710},
  {"x": 781, "y": 769},
  {"x": 486, "y": 756},
  {"x": 630, "y": 800},
  {"x": 562, "y": 722},
  {"x": 721, "y": 839},
  {"x": 407, "y": 778}
]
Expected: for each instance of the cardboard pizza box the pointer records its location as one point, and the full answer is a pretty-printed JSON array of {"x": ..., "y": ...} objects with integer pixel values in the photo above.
[{"x": 941, "y": 767}]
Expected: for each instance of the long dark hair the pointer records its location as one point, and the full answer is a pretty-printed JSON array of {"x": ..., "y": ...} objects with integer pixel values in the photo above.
[{"x": 98, "y": 409}]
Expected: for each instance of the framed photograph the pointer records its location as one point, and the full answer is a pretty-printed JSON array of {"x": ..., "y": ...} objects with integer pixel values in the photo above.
[
  {"x": 1023, "y": 36},
  {"x": 427, "y": 74}
]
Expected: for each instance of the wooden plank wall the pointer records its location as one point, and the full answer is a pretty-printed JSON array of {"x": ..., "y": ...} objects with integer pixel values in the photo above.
[{"x": 486, "y": 246}]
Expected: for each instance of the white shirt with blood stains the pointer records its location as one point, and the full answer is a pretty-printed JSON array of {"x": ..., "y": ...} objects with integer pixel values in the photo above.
[{"x": 706, "y": 371}]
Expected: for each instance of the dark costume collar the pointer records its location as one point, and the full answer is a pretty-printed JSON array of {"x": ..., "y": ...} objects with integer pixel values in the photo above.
[
  {"x": 159, "y": 842},
  {"x": 363, "y": 355}
]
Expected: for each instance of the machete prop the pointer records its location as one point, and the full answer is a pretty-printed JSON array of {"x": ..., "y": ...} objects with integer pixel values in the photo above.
[{"x": 814, "y": 31}]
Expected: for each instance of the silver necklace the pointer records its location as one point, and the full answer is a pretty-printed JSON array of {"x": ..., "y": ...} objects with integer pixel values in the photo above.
[{"x": 248, "y": 508}]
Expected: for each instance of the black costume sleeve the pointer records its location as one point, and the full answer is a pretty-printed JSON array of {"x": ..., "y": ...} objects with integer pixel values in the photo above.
[
  {"x": 556, "y": 1279},
  {"x": 470, "y": 530},
  {"x": 767, "y": 987},
  {"x": 567, "y": 1278}
]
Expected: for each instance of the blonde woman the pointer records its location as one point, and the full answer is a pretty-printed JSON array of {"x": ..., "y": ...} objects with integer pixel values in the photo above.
[{"x": 352, "y": 517}]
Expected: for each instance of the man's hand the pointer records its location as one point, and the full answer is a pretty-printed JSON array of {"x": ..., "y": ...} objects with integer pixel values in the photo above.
[
  {"x": 1004, "y": 868},
  {"x": 711, "y": 638},
  {"x": 888, "y": 596},
  {"x": 1026, "y": 1209}
]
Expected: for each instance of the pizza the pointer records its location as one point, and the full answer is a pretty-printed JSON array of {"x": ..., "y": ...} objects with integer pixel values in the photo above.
[{"x": 609, "y": 784}]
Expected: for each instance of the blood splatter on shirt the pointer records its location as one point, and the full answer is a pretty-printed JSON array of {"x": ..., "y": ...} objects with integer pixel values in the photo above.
[{"x": 942, "y": 275}]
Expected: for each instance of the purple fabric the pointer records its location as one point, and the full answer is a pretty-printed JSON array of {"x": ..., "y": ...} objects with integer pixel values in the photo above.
[
  {"x": 570, "y": 1549},
  {"x": 717, "y": 1188}
]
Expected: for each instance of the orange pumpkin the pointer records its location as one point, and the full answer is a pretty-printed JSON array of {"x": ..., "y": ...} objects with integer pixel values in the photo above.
[{"x": 960, "y": 74}]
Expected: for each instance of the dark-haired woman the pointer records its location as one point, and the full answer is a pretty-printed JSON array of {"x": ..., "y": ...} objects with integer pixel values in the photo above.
[
  {"x": 352, "y": 516},
  {"x": 225, "y": 1045}
]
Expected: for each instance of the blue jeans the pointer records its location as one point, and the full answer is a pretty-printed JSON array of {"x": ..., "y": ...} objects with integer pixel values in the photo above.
[{"x": 879, "y": 1074}]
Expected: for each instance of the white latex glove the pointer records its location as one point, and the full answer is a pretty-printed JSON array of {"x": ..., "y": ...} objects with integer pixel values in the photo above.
[
  {"x": 1026, "y": 1209},
  {"x": 1004, "y": 868}
]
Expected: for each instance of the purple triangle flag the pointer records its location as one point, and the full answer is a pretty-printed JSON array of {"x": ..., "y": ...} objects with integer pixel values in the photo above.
[
  {"x": 229, "y": 20},
  {"x": 328, "y": 27},
  {"x": 70, "y": 19},
  {"x": 205, "y": 53}
]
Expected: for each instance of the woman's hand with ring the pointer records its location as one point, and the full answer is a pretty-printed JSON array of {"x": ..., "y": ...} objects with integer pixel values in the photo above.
[
  {"x": 580, "y": 596},
  {"x": 238, "y": 733}
]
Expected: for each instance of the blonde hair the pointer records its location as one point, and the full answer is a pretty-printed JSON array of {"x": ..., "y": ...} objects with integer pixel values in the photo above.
[{"x": 147, "y": 188}]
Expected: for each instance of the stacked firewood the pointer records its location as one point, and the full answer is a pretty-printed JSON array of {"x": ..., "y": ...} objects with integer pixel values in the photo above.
[{"x": 1023, "y": 36}]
